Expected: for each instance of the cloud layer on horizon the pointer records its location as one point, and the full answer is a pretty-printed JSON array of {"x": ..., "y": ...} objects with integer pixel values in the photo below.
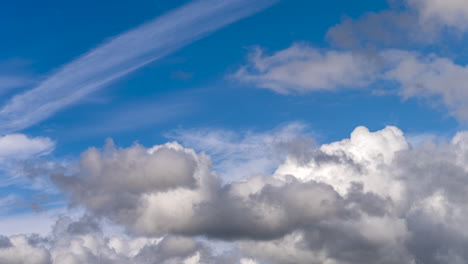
[{"x": 370, "y": 198}]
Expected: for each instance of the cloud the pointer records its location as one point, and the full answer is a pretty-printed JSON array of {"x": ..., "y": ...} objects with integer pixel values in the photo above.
[
  {"x": 20, "y": 146},
  {"x": 414, "y": 23},
  {"x": 82, "y": 240},
  {"x": 409, "y": 74},
  {"x": 386, "y": 29},
  {"x": 19, "y": 251},
  {"x": 121, "y": 56},
  {"x": 16, "y": 149},
  {"x": 433, "y": 77},
  {"x": 301, "y": 68},
  {"x": 238, "y": 156},
  {"x": 369, "y": 198},
  {"x": 449, "y": 13},
  {"x": 182, "y": 178},
  {"x": 376, "y": 49}
]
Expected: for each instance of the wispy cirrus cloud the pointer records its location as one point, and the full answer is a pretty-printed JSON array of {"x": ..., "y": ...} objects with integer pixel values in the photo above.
[{"x": 123, "y": 55}]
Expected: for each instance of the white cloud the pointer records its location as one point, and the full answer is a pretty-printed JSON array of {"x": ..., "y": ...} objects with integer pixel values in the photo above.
[
  {"x": 17, "y": 148},
  {"x": 20, "y": 146},
  {"x": 21, "y": 252},
  {"x": 451, "y": 13},
  {"x": 74, "y": 241},
  {"x": 411, "y": 74},
  {"x": 360, "y": 158},
  {"x": 121, "y": 56},
  {"x": 433, "y": 77},
  {"x": 301, "y": 68}
]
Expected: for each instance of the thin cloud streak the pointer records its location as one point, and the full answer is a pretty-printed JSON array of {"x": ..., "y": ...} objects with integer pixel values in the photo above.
[{"x": 123, "y": 55}]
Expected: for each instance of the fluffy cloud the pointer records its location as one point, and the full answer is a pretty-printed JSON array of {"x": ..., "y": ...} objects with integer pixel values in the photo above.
[
  {"x": 150, "y": 190},
  {"x": 410, "y": 74},
  {"x": 18, "y": 250},
  {"x": 377, "y": 48},
  {"x": 432, "y": 77},
  {"x": 301, "y": 68},
  {"x": 359, "y": 159},
  {"x": 82, "y": 241},
  {"x": 370, "y": 198},
  {"x": 19, "y": 146},
  {"x": 451, "y": 13}
]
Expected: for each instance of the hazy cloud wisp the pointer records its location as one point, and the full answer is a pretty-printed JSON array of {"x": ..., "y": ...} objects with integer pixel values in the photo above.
[{"x": 122, "y": 55}]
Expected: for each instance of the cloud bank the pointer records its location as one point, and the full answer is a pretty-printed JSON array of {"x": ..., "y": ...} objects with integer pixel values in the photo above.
[{"x": 369, "y": 198}]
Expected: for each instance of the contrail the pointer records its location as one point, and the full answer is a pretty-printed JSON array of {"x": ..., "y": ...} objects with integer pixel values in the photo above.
[{"x": 122, "y": 55}]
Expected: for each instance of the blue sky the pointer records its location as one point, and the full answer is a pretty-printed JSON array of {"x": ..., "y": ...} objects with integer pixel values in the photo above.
[
  {"x": 238, "y": 80},
  {"x": 195, "y": 79}
]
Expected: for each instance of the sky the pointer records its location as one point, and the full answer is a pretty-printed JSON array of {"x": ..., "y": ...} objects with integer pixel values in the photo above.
[{"x": 233, "y": 131}]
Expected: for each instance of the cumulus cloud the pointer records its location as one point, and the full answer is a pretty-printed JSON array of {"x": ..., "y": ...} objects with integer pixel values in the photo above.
[
  {"x": 409, "y": 74},
  {"x": 20, "y": 146},
  {"x": 433, "y": 77},
  {"x": 369, "y": 198},
  {"x": 450, "y": 13},
  {"x": 301, "y": 68},
  {"x": 82, "y": 241},
  {"x": 376, "y": 48}
]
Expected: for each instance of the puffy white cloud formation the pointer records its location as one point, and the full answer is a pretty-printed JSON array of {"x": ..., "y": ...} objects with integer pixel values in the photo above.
[
  {"x": 82, "y": 241},
  {"x": 430, "y": 77},
  {"x": 356, "y": 160},
  {"x": 413, "y": 75},
  {"x": 19, "y": 146},
  {"x": 451, "y": 13},
  {"x": 301, "y": 68},
  {"x": 376, "y": 49},
  {"x": 372, "y": 198},
  {"x": 18, "y": 250}
]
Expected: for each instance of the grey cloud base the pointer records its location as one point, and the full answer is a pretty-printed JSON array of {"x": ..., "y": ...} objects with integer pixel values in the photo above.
[{"x": 372, "y": 198}]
